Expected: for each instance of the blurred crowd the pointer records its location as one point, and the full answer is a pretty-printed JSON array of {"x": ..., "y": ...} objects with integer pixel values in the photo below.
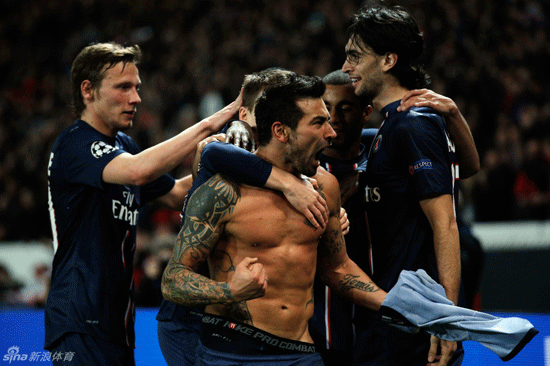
[{"x": 490, "y": 56}]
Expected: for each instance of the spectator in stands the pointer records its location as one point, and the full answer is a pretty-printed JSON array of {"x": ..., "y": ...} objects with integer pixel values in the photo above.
[{"x": 532, "y": 184}]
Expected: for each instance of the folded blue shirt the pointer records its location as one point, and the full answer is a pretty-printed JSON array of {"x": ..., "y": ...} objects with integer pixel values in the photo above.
[{"x": 418, "y": 302}]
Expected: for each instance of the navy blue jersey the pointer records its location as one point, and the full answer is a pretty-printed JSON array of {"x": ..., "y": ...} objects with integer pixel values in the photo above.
[
  {"x": 412, "y": 158},
  {"x": 340, "y": 168},
  {"x": 235, "y": 163},
  {"x": 94, "y": 232}
]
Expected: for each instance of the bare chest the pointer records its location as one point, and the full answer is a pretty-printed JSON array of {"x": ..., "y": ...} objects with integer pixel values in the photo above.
[{"x": 265, "y": 218}]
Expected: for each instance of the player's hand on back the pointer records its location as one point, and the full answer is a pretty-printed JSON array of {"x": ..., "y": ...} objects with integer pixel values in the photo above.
[
  {"x": 241, "y": 135},
  {"x": 428, "y": 98},
  {"x": 344, "y": 221}
]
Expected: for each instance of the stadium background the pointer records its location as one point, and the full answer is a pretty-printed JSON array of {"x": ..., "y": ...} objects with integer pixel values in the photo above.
[{"x": 490, "y": 56}]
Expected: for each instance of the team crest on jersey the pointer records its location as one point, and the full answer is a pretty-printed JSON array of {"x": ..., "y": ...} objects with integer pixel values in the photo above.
[
  {"x": 100, "y": 148},
  {"x": 419, "y": 165},
  {"x": 376, "y": 144}
]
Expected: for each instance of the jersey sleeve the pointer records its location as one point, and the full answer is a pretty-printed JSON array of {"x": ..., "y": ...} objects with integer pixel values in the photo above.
[
  {"x": 236, "y": 163},
  {"x": 83, "y": 158},
  {"x": 424, "y": 148},
  {"x": 157, "y": 188}
]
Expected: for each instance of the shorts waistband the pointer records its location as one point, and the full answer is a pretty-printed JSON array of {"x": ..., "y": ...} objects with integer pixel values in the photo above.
[{"x": 227, "y": 335}]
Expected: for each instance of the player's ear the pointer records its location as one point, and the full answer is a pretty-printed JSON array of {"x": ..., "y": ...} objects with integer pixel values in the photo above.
[
  {"x": 243, "y": 113},
  {"x": 389, "y": 61},
  {"x": 279, "y": 131},
  {"x": 87, "y": 90},
  {"x": 366, "y": 113}
]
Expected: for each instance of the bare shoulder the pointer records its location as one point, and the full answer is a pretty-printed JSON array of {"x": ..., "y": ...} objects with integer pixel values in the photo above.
[
  {"x": 325, "y": 178},
  {"x": 329, "y": 188},
  {"x": 217, "y": 193}
]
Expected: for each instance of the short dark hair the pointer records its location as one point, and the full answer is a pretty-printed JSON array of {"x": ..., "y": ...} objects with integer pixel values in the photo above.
[
  {"x": 254, "y": 84},
  {"x": 91, "y": 64},
  {"x": 384, "y": 28},
  {"x": 278, "y": 103},
  {"x": 338, "y": 77}
]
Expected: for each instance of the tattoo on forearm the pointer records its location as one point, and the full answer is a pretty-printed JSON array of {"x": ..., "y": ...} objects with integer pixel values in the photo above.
[
  {"x": 199, "y": 234},
  {"x": 182, "y": 285},
  {"x": 350, "y": 282}
]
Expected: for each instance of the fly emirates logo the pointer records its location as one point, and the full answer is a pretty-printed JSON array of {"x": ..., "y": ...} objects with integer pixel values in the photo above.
[
  {"x": 372, "y": 194},
  {"x": 123, "y": 211}
]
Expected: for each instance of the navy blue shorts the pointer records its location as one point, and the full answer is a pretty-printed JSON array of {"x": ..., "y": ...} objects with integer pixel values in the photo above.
[
  {"x": 178, "y": 340},
  {"x": 227, "y": 342},
  {"x": 77, "y": 349}
]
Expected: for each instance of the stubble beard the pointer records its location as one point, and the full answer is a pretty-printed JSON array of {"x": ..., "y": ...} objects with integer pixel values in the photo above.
[
  {"x": 294, "y": 159},
  {"x": 371, "y": 88}
]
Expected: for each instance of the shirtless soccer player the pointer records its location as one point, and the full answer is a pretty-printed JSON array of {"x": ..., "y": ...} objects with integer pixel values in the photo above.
[{"x": 263, "y": 254}]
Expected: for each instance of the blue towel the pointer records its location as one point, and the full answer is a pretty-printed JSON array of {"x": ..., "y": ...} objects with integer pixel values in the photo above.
[{"x": 418, "y": 302}]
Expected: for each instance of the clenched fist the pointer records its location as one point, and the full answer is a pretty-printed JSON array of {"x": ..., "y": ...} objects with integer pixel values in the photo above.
[{"x": 249, "y": 280}]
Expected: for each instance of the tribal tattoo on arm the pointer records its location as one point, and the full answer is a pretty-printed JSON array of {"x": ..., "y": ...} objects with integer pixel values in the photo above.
[{"x": 201, "y": 231}]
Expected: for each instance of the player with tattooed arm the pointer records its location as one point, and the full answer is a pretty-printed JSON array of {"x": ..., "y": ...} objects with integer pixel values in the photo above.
[{"x": 263, "y": 254}]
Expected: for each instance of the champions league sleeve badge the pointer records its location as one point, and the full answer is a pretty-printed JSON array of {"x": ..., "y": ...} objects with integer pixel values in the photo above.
[{"x": 100, "y": 148}]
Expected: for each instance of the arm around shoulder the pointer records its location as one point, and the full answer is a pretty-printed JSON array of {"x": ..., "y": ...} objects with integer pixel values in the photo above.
[
  {"x": 458, "y": 127},
  {"x": 247, "y": 168},
  {"x": 160, "y": 159},
  {"x": 466, "y": 148}
]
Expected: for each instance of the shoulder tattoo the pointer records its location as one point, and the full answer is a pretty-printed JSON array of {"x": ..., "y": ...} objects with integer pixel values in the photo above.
[{"x": 201, "y": 230}]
